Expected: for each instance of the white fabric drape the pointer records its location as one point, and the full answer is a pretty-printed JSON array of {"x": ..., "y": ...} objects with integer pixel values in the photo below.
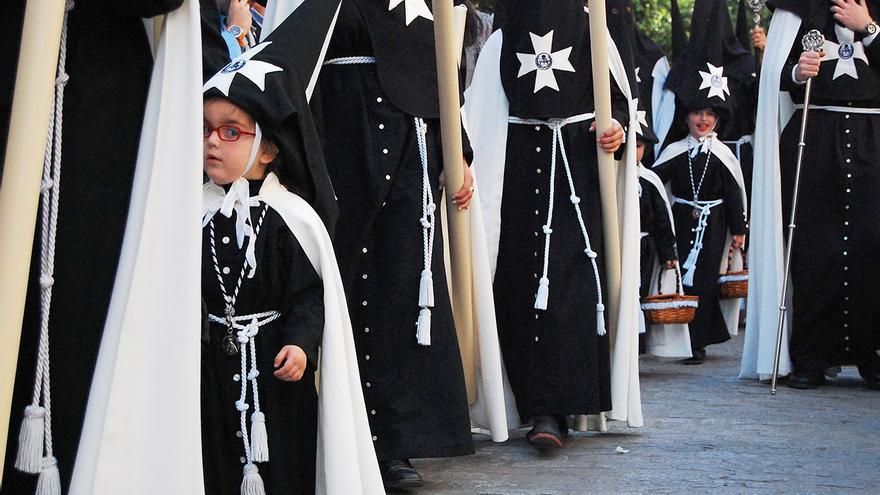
[
  {"x": 142, "y": 431},
  {"x": 766, "y": 248}
]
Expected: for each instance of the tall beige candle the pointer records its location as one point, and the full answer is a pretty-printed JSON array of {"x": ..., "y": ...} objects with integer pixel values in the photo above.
[
  {"x": 448, "y": 49},
  {"x": 607, "y": 167},
  {"x": 20, "y": 189}
]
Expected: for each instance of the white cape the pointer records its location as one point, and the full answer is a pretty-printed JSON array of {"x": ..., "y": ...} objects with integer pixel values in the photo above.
[
  {"x": 665, "y": 341},
  {"x": 346, "y": 460},
  {"x": 729, "y": 307},
  {"x": 662, "y": 103},
  {"x": 491, "y": 410},
  {"x": 141, "y": 433},
  {"x": 487, "y": 110},
  {"x": 766, "y": 224}
]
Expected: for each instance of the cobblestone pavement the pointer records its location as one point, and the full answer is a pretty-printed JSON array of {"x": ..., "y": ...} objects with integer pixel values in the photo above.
[{"x": 705, "y": 431}]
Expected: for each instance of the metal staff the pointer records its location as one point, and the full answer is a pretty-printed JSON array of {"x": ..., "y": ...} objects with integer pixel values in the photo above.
[
  {"x": 812, "y": 42},
  {"x": 459, "y": 221},
  {"x": 757, "y": 6}
]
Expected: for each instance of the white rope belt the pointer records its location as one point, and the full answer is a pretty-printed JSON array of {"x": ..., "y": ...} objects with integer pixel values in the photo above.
[
  {"x": 542, "y": 296},
  {"x": 35, "y": 451},
  {"x": 247, "y": 327},
  {"x": 427, "y": 220},
  {"x": 705, "y": 209},
  {"x": 832, "y": 108},
  {"x": 351, "y": 60},
  {"x": 739, "y": 144}
]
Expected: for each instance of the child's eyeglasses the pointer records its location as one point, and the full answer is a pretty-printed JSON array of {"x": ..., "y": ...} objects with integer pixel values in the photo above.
[{"x": 225, "y": 132}]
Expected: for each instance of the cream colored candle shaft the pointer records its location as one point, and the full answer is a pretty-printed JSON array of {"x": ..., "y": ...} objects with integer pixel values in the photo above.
[
  {"x": 459, "y": 221},
  {"x": 20, "y": 189},
  {"x": 607, "y": 166}
]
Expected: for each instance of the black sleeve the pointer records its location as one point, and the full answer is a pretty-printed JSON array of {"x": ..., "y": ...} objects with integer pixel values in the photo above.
[
  {"x": 661, "y": 227},
  {"x": 786, "y": 83},
  {"x": 466, "y": 148},
  {"x": 305, "y": 295},
  {"x": 733, "y": 203},
  {"x": 142, "y": 8},
  {"x": 873, "y": 53}
]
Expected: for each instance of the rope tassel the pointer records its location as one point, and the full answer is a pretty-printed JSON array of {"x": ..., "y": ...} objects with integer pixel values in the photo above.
[
  {"x": 543, "y": 293},
  {"x": 49, "y": 481},
  {"x": 423, "y": 327},
  {"x": 30, "y": 440},
  {"x": 426, "y": 290},
  {"x": 252, "y": 483},
  {"x": 600, "y": 320},
  {"x": 259, "y": 437}
]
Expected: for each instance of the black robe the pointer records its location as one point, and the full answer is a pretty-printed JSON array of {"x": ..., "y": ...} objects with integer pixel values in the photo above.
[
  {"x": 658, "y": 239},
  {"x": 562, "y": 365},
  {"x": 834, "y": 266},
  {"x": 415, "y": 395},
  {"x": 109, "y": 63},
  {"x": 284, "y": 281},
  {"x": 708, "y": 326}
]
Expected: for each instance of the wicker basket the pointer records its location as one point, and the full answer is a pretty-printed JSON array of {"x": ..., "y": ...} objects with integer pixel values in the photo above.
[
  {"x": 735, "y": 285},
  {"x": 668, "y": 309}
]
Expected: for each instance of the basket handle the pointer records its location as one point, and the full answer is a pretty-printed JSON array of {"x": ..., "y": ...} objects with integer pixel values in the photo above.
[
  {"x": 679, "y": 288},
  {"x": 730, "y": 257}
]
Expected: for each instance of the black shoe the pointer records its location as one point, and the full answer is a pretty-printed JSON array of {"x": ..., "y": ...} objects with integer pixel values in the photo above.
[
  {"x": 699, "y": 355},
  {"x": 400, "y": 475},
  {"x": 547, "y": 433},
  {"x": 871, "y": 374},
  {"x": 804, "y": 380}
]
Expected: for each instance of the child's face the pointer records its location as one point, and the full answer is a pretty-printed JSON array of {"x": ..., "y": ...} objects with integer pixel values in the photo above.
[
  {"x": 701, "y": 122},
  {"x": 225, "y": 161},
  {"x": 640, "y": 151}
]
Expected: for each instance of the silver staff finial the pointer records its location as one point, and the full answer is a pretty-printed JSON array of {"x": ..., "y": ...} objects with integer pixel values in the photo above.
[
  {"x": 756, "y": 6},
  {"x": 813, "y": 41}
]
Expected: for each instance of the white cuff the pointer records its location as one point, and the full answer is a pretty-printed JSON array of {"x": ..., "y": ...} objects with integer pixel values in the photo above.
[
  {"x": 867, "y": 40},
  {"x": 795, "y": 79}
]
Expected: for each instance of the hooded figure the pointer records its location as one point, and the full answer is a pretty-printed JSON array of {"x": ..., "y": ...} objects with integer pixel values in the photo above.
[
  {"x": 380, "y": 112},
  {"x": 529, "y": 112},
  {"x": 703, "y": 177},
  {"x": 833, "y": 311},
  {"x": 270, "y": 282}
]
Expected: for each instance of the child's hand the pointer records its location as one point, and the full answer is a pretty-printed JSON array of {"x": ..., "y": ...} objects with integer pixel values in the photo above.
[
  {"x": 294, "y": 359},
  {"x": 738, "y": 241},
  {"x": 611, "y": 139}
]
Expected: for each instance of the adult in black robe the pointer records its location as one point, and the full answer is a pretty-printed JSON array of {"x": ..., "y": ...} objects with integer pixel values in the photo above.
[
  {"x": 109, "y": 62},
  {"x": 415, "y": 394},
  {"x": 558, "y": 363},
  {"x": 834, "y": 268},
  {"x": 285, "y": 281},
  {"x": 717, "y": 183}
]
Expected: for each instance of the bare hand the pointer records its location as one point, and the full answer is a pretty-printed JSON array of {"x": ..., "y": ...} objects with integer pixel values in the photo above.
[
  {"x": 611, "y": 139},
  {"x": 240, "y": 15},
  {"x": 808, "y": 65},
  {"x": 852, "y": 14},
  {"x": 670, "y": 264},
  {"x": 291, "y": 363},
  {"x": 759, "y": 38},
  {"x": 463, "y": 197},
  {"x": 738, "y": 241}
]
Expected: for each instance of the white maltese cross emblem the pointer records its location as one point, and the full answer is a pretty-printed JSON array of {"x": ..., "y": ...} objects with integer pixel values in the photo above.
[
  {"x": 544, "y": 61},
  {"x": 715, "y": 81}
]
